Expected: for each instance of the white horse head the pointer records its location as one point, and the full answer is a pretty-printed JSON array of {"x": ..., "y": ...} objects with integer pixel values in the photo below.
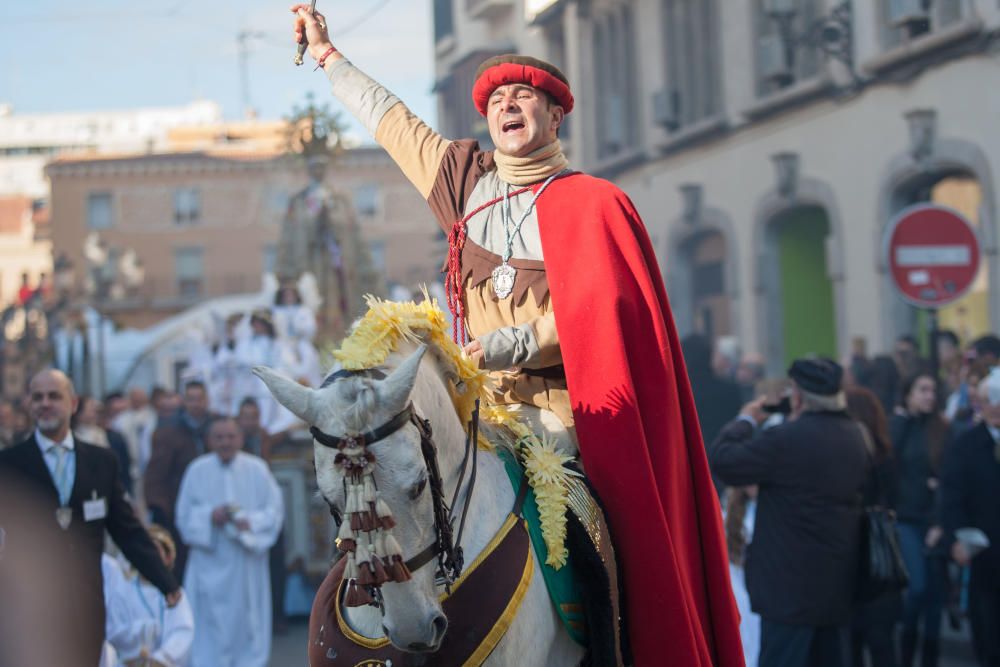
[
  {"x": 353, "y": 403},
  {"x": 358, "y": 403}
]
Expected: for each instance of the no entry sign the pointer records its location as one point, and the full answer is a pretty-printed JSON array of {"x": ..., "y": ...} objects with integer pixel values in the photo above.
[{"x": 933, "y": 255}]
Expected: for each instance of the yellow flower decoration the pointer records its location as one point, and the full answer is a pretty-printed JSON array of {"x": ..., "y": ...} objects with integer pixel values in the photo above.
[
  {"x": 549, "y": 478},
  {"x": 378, "y": 334},
  {"x": 387, "y": 323}
]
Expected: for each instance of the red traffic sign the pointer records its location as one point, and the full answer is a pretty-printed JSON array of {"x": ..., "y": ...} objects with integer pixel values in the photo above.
[{"x": 933, "y": 255}]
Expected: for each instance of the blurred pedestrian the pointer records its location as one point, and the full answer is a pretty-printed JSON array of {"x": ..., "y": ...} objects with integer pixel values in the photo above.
[
  {"x": 950, "y": 360},
  {"x": 25, "y": 292},
  {"x": 749, "y": 373},
  {"x": 969, "y": 486},
  {"x": 874, "y": 622},
  {"x": 140, "y": 626},
  {"x": 906, "y": 354},
  {"x": 716, "y": 399},
  {"x": 919, "y": 434},
  {"x": 229, "y": 513},
  {"x": 114, "y": 404},
  {"x": 741, "y": 511},
  {"x": 882, "y": 377},
  {"x": 136, "y": 424},
  {"x": 76, "y": 484},
  {"x": 86, "y": 425},
  {"x": 256, "y": 440},
  {"x": 962, "y": 406},
  {"x": 726, "y": 357},
  {"x": 987, "y": 349},
  {"x": 175, "y": 444},
  {"x": 7, "y": 431},
  {"x": 802, "y": 564}
]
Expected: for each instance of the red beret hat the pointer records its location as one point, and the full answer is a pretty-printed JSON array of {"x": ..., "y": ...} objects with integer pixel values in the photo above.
[{"x": 510, "y": 68}]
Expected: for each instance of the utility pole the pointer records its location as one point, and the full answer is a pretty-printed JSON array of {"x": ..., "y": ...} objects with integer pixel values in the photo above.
[{"x": 243, "y": 38}]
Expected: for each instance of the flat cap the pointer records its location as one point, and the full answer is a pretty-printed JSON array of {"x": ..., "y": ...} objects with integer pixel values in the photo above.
[{"x": 819, "y": 376}]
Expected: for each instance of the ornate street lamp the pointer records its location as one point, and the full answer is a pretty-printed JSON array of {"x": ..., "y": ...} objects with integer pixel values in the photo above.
[{"x": 831, "y": 34}]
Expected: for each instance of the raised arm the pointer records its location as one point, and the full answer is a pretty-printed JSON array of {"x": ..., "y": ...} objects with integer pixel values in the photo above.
[{"x": 412, "y": 144}]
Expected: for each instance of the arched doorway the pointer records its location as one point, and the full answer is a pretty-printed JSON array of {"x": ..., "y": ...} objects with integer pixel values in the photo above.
[
  {"x": 801, "y": 288},
  {"x": 969, "y": 317},
  {"x": 699, "y": 280},
  {"x": 710, "y": 306}
]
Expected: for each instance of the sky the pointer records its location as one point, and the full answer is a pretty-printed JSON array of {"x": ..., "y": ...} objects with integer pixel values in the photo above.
[{"x": 57, "y": 55}]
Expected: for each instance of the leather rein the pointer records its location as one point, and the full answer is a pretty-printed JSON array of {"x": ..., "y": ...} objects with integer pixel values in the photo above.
[{"x": 447, "y": 546}]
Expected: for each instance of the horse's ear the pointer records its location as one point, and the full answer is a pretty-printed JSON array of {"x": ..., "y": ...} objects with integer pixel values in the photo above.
[
  {"x": 394, "y": 391},
  {"x": 289, "y": 393}
]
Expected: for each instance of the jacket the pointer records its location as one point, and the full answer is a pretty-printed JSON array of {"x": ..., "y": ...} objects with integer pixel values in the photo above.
[{"x": 802, "y": 564}]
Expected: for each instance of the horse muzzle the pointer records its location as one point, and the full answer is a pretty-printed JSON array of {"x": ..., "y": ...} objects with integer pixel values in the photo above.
[{"x": 426, "y": 640}]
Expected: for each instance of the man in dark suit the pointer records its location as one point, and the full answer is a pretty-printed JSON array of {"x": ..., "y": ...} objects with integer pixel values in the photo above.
[
  {"x": 176, "y": 443},
  {"x": 970, "y": 498},
  {"x": 802, "y": 563},
  {"x": 68, "y": 493},
  {"x": 716, "y": 399}
]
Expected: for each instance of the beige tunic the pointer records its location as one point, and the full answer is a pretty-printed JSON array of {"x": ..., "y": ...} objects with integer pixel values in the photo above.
[{"x": 456, "y": 177}]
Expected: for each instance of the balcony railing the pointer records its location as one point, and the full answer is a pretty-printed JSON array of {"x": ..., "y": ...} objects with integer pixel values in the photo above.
[{"x": 487, "y": 9}]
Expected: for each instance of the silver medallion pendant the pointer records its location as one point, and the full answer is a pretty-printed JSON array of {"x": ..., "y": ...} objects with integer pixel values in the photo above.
[
  {"x": 64, "y": 517},
  {"x": 503, "y": 280}
]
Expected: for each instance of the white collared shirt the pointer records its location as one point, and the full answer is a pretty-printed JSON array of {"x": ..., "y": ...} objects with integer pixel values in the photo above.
[{"x": 52, "y": 458}]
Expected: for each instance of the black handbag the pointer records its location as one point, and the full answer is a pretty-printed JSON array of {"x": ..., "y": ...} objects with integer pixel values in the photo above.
[{"x": 881, "y": 569}]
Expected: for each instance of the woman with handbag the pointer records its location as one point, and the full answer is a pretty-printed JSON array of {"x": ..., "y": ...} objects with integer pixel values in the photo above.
[
  {"x": 875, "y": 619},
  {"x": 919, "y": 434}
]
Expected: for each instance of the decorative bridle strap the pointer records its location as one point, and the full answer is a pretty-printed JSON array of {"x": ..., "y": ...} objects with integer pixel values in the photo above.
[
  {"x": 373, "y": 518},
  {"x": 367, "y": 438}
]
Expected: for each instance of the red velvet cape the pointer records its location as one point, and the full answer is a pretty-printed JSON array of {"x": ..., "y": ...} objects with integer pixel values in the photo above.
[{"x": 637, "y": 427}]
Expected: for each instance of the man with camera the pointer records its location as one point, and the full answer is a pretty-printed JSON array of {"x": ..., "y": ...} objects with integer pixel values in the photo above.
[{"x": 802, "y": 564}]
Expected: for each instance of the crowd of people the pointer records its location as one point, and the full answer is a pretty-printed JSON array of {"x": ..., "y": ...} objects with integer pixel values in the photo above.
[
  {"x": 191, "y": 504},
  {"x": 808, "y": 454}
]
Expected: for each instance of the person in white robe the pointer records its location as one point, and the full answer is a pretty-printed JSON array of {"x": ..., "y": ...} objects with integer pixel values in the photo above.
[
  {"x": 139, "y": 626},
  {"x": 229, "y": 513},
  {"x": 262, "y": 348}
]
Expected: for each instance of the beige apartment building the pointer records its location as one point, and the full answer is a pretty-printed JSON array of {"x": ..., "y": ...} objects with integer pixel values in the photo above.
[
  {"x": 768, "y": 144},
  {"x": 205, "y": 224}
]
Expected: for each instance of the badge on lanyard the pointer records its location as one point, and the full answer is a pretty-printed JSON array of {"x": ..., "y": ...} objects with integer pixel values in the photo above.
[
  {"x": 95, "y": 508},
  {"x": 64, "y": 517}
]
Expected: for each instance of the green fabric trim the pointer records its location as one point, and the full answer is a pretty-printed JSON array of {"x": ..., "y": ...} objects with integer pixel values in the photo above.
[{"x": 560, "y": 583}]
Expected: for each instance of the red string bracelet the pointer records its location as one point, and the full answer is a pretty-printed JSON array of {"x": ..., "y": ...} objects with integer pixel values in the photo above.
[{"x": 322, "y": 59}]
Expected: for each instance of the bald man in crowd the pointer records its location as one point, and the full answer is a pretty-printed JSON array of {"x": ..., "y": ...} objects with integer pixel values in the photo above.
[{"x": 68, "y": 494}]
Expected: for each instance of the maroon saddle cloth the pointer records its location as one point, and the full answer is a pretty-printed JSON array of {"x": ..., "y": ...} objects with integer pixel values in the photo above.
[{"x": 480, "y": 608}]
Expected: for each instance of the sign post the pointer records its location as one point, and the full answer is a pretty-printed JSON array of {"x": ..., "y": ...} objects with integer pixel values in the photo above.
[{"x": 933, "y": 257}]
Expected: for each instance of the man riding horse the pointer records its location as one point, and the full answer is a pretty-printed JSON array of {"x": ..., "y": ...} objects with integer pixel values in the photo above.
[{"x": 554, "y": 284}]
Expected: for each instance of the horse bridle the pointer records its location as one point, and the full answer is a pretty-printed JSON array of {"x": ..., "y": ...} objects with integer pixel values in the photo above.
[{"x": 447, "y": 546}]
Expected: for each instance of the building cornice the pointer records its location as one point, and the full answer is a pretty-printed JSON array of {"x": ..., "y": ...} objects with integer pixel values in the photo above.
[{"x": 163, "y": 163}]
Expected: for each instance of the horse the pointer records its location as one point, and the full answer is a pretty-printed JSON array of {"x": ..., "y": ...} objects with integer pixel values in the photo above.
[{"x": 360, "y": 402}]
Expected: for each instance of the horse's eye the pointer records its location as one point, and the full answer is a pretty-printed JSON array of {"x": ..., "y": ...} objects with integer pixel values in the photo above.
[{"x": 418, "y": 488}]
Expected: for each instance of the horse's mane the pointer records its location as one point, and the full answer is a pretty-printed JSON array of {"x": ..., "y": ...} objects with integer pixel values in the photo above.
[{"x": 387, "y": 323}]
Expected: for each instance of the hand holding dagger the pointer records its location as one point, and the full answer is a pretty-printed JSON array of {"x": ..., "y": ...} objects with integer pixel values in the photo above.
[{"x": 310, "y": 32}]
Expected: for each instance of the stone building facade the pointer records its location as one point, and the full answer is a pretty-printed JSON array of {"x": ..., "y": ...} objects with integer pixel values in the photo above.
[{"x": 768, "y": 144}]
